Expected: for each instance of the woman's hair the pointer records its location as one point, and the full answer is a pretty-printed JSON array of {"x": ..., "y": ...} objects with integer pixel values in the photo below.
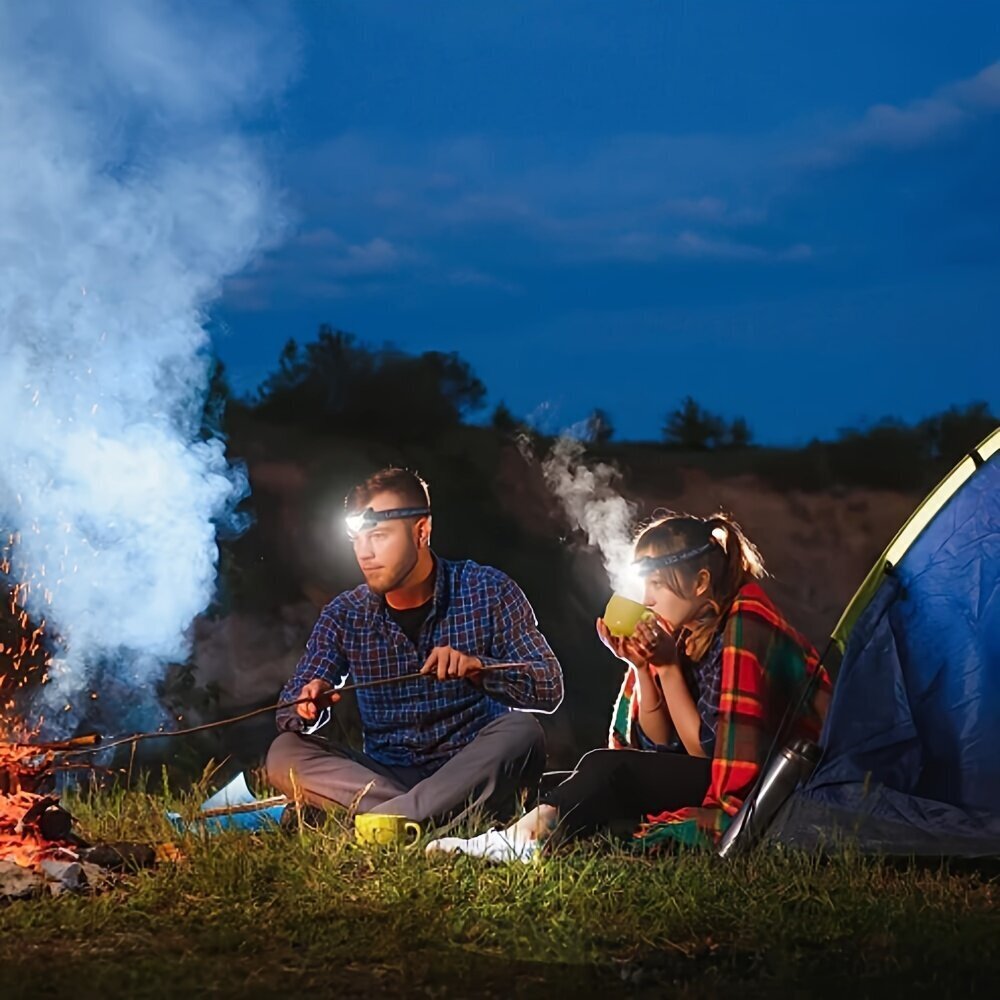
[{"x": 729, "y": 556}]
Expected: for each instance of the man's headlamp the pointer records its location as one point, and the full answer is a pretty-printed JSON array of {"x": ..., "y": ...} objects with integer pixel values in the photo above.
[
  {"x": 650, "y": 564},
  {"x": 368, "y": 518}
]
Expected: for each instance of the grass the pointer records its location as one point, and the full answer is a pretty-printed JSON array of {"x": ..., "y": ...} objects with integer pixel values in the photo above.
[{"x": 309, "y": 910}]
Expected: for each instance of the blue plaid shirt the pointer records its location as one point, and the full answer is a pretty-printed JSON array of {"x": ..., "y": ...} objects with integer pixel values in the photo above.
[
  {"x": 475, "y": 609},
  {"x": 704, "y": 679}
]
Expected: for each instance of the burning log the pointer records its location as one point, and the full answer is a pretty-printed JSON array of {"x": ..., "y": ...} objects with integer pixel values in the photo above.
[
  {"x": 36, "y": 832},
  {"x": 33, "y": 826},
  {"x": 120, "y": 856}
]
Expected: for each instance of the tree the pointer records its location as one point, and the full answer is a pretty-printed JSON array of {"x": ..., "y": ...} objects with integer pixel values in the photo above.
[
  {"x": 888, "y": 454},
  {"x": 739, "y": 434},
  {"x": 952, "y": 434},
  {"x": 217, "y": 398},
  {"x": 503, "y": 420},
  {"x": 599, "y": 429},
  {"x": 693, "y": 428},
  {"x": 337, "y": 382}
]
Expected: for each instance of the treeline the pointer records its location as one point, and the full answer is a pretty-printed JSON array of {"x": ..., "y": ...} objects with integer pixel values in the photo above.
[
  {"x": 890, "y": 454},
  {"x": 383, "y": 393}
]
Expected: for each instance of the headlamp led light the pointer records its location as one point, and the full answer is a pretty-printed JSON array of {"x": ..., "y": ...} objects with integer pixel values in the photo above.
[
  {"x": 368, "y": 518},
  {"x": 650, "y": 564}
]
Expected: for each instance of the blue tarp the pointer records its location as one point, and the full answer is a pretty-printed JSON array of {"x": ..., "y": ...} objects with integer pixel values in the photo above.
[
  {"x": 912, "y": 739},
  {"x": 236, "y": 794}
]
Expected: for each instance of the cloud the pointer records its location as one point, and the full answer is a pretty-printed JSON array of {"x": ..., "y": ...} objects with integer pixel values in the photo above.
[
  {"x": 449, "y": 210},
  {"x": 981, "y": 92},
  {"x": 711, "y": 209},
  {"x": 692, "y": 245},
  {"x": 319, "y": 263},
  {"x": 924, "y": 121},
  {"x": 471, "y": 277},
  {"x": 629, "y": 196},
  {"x": 377, "y": 256},
  {"x": 336, "y": 256}
]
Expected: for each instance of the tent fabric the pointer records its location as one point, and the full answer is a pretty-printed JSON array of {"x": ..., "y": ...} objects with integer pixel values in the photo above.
[
  {"x": 881, "y": 821},
  {"x": 911, "y": 530},
  {"x": 911, "y": 744}
]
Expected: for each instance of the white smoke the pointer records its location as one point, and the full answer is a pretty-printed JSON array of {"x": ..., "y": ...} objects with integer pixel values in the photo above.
[
  {"x": 127, "y": 194},
  {"x": 594, "y": 506}
]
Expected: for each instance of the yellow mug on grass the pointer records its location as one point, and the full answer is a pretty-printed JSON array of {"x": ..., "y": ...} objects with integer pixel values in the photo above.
[
  {"x": 623, "y": 614},
  {"x": 383, "y": 829}
]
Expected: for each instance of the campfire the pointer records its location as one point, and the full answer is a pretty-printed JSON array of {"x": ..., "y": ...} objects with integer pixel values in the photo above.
[
  {"x": 33, "y": 826},
  {"x": 38, "y": 845}
]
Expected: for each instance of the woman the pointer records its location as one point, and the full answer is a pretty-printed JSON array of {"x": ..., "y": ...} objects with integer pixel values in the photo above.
[{"x": 711, "y": 680}]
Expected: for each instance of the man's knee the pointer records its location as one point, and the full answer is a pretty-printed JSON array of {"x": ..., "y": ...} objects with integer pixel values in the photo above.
[
  {"x": 524, "y": 754},
  {"x": 282, "y": 756},
  {"x": 523, "y": 733}
]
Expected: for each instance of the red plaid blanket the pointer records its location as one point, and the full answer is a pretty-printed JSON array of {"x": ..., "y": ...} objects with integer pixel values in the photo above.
[{"x": 765, "y": 664}]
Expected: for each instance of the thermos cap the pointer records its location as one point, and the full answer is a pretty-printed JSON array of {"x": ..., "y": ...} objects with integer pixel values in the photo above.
[{"x": 805, "y": 748}]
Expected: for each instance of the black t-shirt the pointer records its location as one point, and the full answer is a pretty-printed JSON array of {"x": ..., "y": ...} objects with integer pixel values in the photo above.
[{"x": 410, "y": 619}]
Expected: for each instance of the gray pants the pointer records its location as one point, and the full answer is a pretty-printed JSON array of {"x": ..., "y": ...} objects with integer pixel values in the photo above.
[{"x": 506, "y": 757}]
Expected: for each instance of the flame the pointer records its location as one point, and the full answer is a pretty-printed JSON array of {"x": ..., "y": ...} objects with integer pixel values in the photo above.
[
  {"x": 21, "y": 840},
  {"x": 24, "y": 661}
]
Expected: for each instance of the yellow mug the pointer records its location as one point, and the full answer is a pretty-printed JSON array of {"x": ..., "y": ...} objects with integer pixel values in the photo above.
[
  {"x": 383, "y": 829},
  {"x": 623, "y": 614}
]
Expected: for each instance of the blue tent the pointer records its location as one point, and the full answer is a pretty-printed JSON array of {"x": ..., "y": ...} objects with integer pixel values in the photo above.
[{"x": 911, "y": 744}]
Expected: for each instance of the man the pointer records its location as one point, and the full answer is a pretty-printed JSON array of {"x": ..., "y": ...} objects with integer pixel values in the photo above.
[{"x": 445, "y": 742}]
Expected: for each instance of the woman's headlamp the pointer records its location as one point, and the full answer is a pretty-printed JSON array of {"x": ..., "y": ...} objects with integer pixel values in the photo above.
[
  {"x": 650, "y": 564},
  {"x": 368, "y": 518}
]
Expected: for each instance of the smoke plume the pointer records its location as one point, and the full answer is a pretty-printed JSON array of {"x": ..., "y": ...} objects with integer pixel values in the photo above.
[
  {"x": 128, "y": 192},
  {"x": 594, "y": 506}
]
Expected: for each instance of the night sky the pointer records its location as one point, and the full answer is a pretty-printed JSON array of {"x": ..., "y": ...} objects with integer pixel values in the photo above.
[{"x": 789, "y": 211}]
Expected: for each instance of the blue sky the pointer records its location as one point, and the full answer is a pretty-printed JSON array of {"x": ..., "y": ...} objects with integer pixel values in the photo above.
[{"x": 788, "y": 211}]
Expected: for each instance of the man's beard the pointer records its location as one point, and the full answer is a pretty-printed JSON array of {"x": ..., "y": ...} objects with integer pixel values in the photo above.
[{"x": 394, "y": 584}]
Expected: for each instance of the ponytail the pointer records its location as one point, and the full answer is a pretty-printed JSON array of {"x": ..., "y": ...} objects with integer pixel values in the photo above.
[{"x": 743, "y": 560}]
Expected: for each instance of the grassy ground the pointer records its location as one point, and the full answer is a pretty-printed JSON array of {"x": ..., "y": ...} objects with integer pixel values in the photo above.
[{"x": 308, "y": 910}]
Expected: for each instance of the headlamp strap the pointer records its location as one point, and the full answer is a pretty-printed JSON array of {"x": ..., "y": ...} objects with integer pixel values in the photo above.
[
  {"x": 369, "y": 518},
  {"x": 649, "y": 564}
]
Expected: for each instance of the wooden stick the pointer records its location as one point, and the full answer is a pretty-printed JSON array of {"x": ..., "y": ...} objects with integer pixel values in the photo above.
[
  {"x": 269, "y": 803},
  {"x": 85, "y": 740},
  {"x": 137, "y": 737}
]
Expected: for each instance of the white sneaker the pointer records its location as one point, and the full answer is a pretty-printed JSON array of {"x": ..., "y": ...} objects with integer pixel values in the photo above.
[{"x": 498, "y": 846}]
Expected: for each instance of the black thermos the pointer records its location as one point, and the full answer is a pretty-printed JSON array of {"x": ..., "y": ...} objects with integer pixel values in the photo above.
[{"x": 793, "y": 765}]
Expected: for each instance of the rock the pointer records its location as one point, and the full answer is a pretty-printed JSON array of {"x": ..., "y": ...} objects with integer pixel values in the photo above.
[
  {"x": 97, "y": 877},
  {"x": 63, "y": 875},
  {"x": 17, "y": 882}
]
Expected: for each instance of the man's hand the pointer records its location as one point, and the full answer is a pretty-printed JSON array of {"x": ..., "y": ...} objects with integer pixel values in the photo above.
[
  {"x": 446, "y": 662},
  {"x": 322, "y": 695},
  {"x": 623, "y": 647}
]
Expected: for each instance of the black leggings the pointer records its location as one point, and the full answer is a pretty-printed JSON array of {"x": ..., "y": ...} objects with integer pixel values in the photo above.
[{"x": 612, "y": 790}]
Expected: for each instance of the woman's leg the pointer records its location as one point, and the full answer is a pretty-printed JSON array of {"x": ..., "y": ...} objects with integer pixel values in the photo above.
[
  {"x": 614, "y": 789},
  {"x": 610, "y": 790}
]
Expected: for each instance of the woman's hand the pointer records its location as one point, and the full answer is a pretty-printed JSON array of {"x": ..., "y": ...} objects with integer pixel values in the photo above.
[
  {"x": 655, "y": 644},
  {"x": 622, "y": 646}
]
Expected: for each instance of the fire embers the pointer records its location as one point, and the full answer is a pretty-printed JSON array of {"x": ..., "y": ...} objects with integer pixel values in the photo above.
[
  {"x": 39, "y": 850},
  {"x": 33, "y": 826},
  {"x": 25, "y": 646}
]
